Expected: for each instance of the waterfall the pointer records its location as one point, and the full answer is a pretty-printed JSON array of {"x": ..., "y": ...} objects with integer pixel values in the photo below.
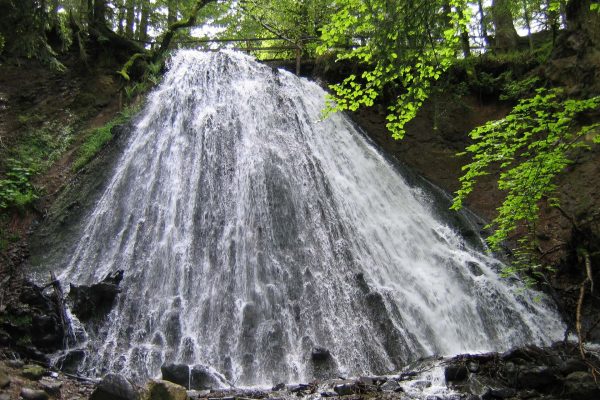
[{"x": 259, "y": 240}]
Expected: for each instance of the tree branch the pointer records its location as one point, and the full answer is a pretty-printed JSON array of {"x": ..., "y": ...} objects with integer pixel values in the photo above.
[{"x": 165, "y": 42}]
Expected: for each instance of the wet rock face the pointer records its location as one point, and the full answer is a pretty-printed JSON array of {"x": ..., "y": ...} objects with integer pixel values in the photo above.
[
  {"x": 95, "y": 301},
  {"x": 322, "y": 363},
  {"x": 32, "y": 324},
  {"x": 527, "y": 372}
]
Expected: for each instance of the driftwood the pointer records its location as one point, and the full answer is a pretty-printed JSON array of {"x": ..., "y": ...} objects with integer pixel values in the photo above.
[{"x": 61, "y": 309}]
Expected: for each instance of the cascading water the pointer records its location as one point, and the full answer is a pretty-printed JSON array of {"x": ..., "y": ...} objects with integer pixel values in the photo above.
[{"x": 250, "y": 234}]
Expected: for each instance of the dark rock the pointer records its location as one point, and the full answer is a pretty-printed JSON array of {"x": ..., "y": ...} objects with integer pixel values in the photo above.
[
  {"x": 176, "y": 373},
  {"x": 522, "y": 355},
  {"x": 51, "y": 386},
  {"x": 473, "y": 366},
  {"x": 301, "y": 387},
  {"x": 70, "y": 361},
  {"x": 345, "y": 389},
  {"x": 278, "y": 387},
  {"x": 456, "y": 372},
  {"x": 114, "y": 387},
  {"x": 408, "y": 375},
  {"x": 502, "y": 392},
  {"x": 202, "y": 378},
  {"x": 4, "y": 380},
  {"x": 572, "y": 365},
  {"x": 536, "y": 377},
  {"x": 581, "y": 385},
  {"x": 329, "y": 394},
  {"x": 391, "y": 386},
  {"x": 33, "y": 394},
  {"x": 320, "y": 354},
  {"x": 323, "y": 364},
  {"x": 95, "y": 301}
]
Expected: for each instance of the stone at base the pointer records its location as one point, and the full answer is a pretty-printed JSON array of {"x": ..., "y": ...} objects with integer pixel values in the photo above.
[
  {"x": 32, "y": 394},
  {"x": 114, "y": 387},
  {"x": 164, "y": 390},
  {"x": 33, "y": 371}
]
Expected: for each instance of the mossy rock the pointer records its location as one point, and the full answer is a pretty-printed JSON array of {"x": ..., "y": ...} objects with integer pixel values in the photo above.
[
  {"x": 33, "y": 372},
  {"x": 164, "y": 390}
]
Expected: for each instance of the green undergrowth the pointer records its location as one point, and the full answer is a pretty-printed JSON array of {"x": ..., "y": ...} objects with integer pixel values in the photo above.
[
  {"x": 37, "y": 150},
  {"x": 97, "y": 138}
]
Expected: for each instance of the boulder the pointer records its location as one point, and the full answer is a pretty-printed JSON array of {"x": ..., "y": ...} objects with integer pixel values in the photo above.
[
  {"x": 536, "y": 377},
  {"x": 322, "y": 363},
  {"x": 51, "y": 386},
  {"x": 203, "y": 378},
  {"x": 114, "y": 387},
  {"x": 33, "y": 394},
  {"x": 176, "y": 373},
  {"x": 391, "y": 385},
  {"x": 95, "y": 301},
  {"x": 33, "y": 372},
  {"x": 581, "y": 385},
  {"x": 320, "y": 354},
  {"x": 456, "y": 372},
  {"x": 345, "y": 389},
  {"x": 165, "y": 390}
]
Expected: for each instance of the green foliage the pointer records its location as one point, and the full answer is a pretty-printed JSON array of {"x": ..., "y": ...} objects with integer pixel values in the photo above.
[
  {"x": 530, "y": 147},
  {"x": 16, "y": 190},
  {"x": 517, "y": 89},
  {"x": 97, "y": 138},
  {"x": 404, "y": 46},
  {"x": 36, "y": 152}
]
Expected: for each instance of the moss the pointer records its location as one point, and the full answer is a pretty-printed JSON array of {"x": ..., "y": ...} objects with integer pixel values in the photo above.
[
  {"x": 16, "y": 320},
  {"x": 33, "y": 371},
  {"x": 97, "y": 138}
]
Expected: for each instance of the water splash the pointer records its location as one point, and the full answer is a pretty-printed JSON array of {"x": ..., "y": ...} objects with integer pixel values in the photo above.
[{"x": 251, "y": 234}]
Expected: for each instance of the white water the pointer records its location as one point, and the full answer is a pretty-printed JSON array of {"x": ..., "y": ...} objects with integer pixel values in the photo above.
[{"x": 250, "y": 234}]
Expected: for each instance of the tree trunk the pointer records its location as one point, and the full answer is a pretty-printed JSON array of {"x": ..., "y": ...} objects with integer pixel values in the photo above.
[
  {"x": 90, "y": 12},
  {"x": 484, "y": 32},
  {"x": 172, "y": 8},
  {"x": 120, "y": 17},
  {"x": 129, "y": 18},
  {"x": 465, "y": 43},
  {"x": 581, "y": 18},
  {"x": 527, "y": 23},
  {"x": 144, "y": 19},
  {"x": 100, "y": 12},
  {"x": 506, "y": 37}
]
